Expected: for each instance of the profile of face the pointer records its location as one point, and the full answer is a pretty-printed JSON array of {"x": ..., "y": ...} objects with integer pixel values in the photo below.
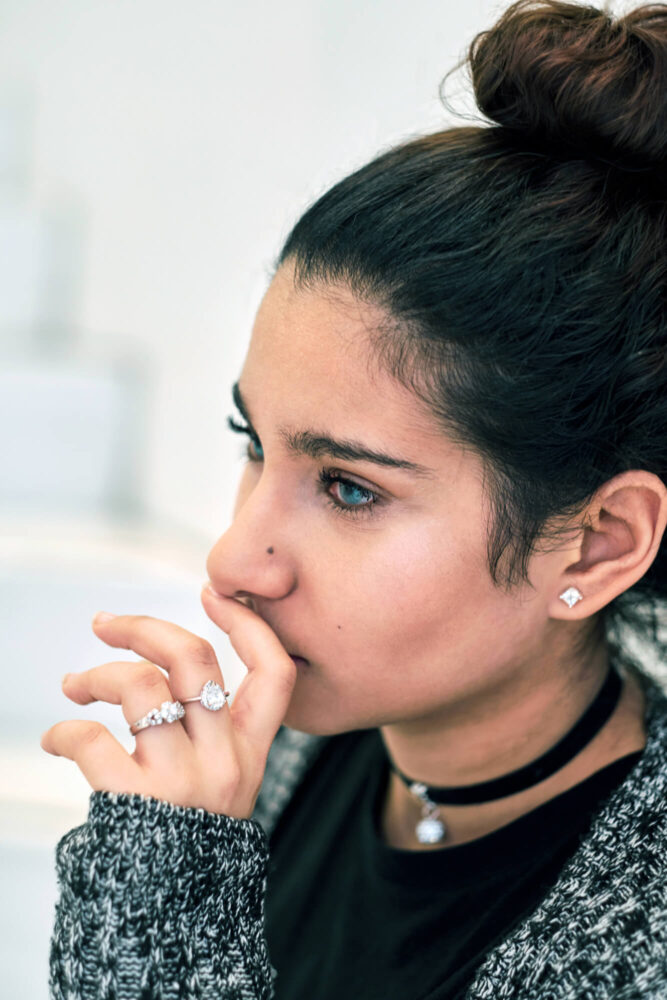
[{"x": 371, "y": 567}]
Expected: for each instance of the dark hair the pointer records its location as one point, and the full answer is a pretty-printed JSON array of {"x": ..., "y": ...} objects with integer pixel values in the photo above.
[{"x": 521, "y": 266}]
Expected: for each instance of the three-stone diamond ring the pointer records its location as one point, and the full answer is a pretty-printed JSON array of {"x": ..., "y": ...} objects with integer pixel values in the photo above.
[{"x": 211, "y": 697}]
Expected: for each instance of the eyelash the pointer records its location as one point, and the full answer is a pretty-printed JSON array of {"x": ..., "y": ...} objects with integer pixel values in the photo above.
[{"x": 326, "y": 478}]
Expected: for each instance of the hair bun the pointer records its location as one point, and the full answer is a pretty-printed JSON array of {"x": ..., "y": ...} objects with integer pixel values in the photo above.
[{"x": 573, "y": 77}]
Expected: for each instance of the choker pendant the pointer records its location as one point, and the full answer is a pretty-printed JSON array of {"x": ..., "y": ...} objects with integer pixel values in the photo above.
[{"x": 430, "y": 829}]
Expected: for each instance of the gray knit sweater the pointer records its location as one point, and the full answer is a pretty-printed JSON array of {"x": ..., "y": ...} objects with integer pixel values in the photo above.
[{"x": 163, "y": 901}]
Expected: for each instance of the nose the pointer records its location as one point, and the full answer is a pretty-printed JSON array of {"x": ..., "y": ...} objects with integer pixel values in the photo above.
[{"x": 254, "y": 557}]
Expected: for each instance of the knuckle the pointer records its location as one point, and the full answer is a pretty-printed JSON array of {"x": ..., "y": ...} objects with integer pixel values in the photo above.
[
  {"x": 140, "y": 619},
  {"x": 200, "y": 652},
  {"x": 148, "y": 677},
  {"x": 90, "y": 733}
]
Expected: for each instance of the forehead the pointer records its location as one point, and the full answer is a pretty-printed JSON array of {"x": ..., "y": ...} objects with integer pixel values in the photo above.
[
  {"x": 322, "y": 325},
  {"x": 311, "y": 349}
]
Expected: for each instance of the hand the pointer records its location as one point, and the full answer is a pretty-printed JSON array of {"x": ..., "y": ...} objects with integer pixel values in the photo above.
[{"x": 212, "y": 760}]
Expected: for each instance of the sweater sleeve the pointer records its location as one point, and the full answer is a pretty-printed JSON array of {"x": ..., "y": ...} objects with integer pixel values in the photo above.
[{"x": 158, "y": 901}]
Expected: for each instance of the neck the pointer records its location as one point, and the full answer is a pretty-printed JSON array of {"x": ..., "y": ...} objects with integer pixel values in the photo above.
[{"x": 502, "y": 731}]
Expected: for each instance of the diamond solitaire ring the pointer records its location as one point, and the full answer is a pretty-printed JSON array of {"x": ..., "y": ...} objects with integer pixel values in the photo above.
[{"x": 211, "y": 697}]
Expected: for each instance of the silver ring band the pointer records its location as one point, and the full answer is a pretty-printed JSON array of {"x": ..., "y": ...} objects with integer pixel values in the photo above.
[{"x": 211, "y": 697}]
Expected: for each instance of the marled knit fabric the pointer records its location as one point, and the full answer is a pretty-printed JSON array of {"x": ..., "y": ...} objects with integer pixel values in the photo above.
[{"x": 160, "y": 901}]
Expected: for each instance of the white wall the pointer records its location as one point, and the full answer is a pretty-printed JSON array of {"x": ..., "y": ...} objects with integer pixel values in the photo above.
[{"x": 181, "y": 140}]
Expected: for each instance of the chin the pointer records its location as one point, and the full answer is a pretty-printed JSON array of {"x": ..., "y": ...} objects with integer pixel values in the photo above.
[
  {"x": 305, "y": 722},
  {"x": 306, "y": 716}
]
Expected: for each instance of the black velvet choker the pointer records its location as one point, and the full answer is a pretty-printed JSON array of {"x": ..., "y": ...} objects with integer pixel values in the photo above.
[{"x": 431, "y": 829}]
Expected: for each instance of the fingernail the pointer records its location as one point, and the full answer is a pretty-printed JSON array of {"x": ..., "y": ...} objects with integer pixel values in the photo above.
[
  {"x": 64, "y": 679},
  {"x": 102, "y": 616}
]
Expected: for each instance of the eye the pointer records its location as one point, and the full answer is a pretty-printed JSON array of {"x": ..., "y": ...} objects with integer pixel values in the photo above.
[{"x": 354, "y": 500}]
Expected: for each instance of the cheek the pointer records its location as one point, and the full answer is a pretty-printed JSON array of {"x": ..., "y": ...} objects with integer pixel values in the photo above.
[
  {"x": 430, "y": 564},
  {"x": 406, "y": 618},
  {"x": 400, "y": 586}
]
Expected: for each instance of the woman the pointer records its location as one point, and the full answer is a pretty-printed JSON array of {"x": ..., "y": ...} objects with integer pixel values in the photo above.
[{"x": 455, "y": 404}]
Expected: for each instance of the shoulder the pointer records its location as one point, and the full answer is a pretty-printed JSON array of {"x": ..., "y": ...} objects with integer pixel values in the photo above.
[{"x": 601, "y": 931}]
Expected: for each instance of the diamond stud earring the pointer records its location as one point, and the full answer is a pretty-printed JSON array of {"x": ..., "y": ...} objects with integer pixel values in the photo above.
[{"x": 571, "y": 596}]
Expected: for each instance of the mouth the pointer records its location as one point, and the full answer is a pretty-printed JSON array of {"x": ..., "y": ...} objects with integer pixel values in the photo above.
[{"x": 299, "y": 660}]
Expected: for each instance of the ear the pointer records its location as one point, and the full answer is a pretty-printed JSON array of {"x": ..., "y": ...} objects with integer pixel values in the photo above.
[{"x": 625, "y": 523}]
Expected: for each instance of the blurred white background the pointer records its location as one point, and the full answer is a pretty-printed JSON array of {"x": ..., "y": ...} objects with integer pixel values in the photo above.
[{"x": 153, "y": 156}]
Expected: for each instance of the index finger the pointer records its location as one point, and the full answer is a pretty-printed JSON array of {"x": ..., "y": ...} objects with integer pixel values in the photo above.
[
  {"x": 158, "y": 641},
  {"x": 262, "y": 699}
]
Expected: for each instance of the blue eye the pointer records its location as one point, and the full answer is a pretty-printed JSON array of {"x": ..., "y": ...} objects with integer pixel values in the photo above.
[
  {"x": 358, "y": 501},
  {"x": 355, "y": 493}
]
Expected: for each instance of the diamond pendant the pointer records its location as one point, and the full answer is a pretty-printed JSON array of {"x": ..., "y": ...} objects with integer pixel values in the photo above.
[{"x": 430, "y": 829}]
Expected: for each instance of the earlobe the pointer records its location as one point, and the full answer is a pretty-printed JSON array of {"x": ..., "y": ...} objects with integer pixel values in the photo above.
[{"x": 625, "y": 523}]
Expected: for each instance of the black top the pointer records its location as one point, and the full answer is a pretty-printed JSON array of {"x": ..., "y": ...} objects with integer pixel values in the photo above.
[{"x": 350, "y": 918}]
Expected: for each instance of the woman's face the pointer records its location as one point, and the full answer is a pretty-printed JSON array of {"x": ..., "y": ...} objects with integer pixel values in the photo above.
[{"x": 374, "y": 571}]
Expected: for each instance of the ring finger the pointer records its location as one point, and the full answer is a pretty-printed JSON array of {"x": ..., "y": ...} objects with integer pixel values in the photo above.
[{"x": 138, "y": 688}]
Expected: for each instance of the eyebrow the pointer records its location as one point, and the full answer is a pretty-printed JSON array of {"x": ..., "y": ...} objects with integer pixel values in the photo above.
[{"x": 314, "y": 444}]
